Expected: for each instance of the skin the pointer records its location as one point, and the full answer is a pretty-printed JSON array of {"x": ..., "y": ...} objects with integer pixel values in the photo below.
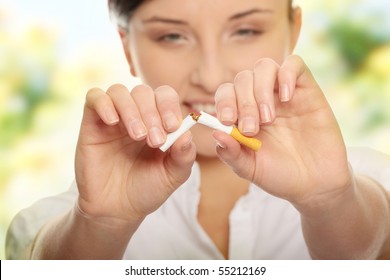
[{"x": 236, "y": 59}]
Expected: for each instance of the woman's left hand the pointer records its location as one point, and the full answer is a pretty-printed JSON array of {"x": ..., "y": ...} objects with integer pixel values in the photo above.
[{"x": 303, "y": 156}]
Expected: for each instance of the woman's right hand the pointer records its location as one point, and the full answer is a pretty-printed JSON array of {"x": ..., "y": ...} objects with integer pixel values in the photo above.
[{"x": 120, "y": 173}]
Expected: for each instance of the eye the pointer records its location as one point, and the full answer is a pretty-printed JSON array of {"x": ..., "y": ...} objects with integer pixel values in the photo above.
[
  {"x": 171, "y": 37},
  {"x": 247, "y": 32}
]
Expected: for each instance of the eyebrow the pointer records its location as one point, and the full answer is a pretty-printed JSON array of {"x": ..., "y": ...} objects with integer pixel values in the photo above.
[
  {"x": 237, "y": 16},
  {"x": 250, "y": 12},
  {"x": 164, "y": 20}
]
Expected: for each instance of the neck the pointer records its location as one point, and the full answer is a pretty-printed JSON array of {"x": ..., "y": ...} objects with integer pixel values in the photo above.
[
  {"x": 217, "y": 176},
  {"x": 220, "y": 189}
]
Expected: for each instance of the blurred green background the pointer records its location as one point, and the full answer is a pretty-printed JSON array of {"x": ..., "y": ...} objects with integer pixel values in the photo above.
[{"x": 52, "y": 52}]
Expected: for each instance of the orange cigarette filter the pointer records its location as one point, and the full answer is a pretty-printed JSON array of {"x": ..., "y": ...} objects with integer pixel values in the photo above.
[
  {"x": 213, "y": 122},
  {"x": 252, "y": 143}
]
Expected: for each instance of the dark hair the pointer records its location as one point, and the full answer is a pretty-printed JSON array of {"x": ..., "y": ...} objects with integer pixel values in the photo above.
[{"x": 121, "y": 10}]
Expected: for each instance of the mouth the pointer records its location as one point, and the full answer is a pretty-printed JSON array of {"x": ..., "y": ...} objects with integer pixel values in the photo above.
[{"x": 197, "y": 107}]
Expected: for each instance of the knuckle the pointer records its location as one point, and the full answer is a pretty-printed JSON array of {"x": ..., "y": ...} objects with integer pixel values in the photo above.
[
  {"x": 151, "y": 118},
  {"x": 225, "y": 85},
  {"x": 293, "y": 62},
  {"x": 96, "y": 97},
  {"x": 265, "y": 62},
  {"x": 164, "y": 88},
  {"x": 225, "y": 90},
  {"x": 93, "y": 90},
  {"x": 92, "y": 93},
  {"x": 243, "y": 76},
  {"x": 166, "y": 93},
  {"x": 296, "y": 58},
  {"x": 248, "y": 106},
  {"x": 141, "y": 89},
  {"x": 140, "y": 92},
  {"x": 117, "y": 88}
]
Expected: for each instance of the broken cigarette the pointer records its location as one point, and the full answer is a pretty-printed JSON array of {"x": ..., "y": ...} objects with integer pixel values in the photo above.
[{"x": 212, "y": 122}]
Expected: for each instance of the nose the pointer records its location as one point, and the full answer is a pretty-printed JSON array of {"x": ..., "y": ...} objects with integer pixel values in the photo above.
[{"x": 210, "y": 70}]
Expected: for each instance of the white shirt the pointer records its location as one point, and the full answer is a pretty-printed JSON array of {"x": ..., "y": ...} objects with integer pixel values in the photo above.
[{"x": 261, "y": 226}]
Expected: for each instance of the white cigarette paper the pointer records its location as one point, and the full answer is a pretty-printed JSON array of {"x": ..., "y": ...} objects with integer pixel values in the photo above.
[
  {"x": 213, "y": 122},
  {"x": 186, "y": 124}
]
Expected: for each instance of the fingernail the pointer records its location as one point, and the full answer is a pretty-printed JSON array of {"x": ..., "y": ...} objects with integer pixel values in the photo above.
[
  {"x": 170, "y": 121},
  {"x": 220, "y": 145},
  {"x": 138, "y": 129},
  {"x": 156, "y": 136},
  {"x": 227, "y": 114},
  {"x": 248, "y": 125},
  {"x": 111, "y": 116},
  {"x": 284, "y": 93},
  {"x": 265, "y": 113}
]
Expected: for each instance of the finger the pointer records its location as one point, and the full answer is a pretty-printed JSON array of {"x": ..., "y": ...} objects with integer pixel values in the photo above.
[
  {"x": 248, "y": 113},
  {"x": 144, "y": 98},
  {"x": 226, "y": 104},
  {"x": 168, "y": 105},
  {"x": 128, "y": 111},
  {"x": 99, "y": 106},
  {"x": 233, "y": 154},
  {"x": 265, "y": 75},
  {"x": 180, "y": 159},
  {"x": 293, "y": 71}
]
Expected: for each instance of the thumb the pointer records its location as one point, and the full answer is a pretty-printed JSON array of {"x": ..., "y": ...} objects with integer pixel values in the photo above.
[
  {"x": 180, "y": 159},
  {"x": 240, "y": 159}
]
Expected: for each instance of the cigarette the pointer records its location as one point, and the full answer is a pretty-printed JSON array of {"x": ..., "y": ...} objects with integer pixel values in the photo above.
[
  {"x": 186, "y": 124},
  {"x": 213, "y": 122}
]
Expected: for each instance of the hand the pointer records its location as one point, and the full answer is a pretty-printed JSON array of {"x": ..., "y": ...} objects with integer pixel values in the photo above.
[
  {"x": 303, "y": 157},
  {"x": 120, "y": 174}
]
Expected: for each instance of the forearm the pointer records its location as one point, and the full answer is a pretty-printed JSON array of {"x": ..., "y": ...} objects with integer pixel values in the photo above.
[
  {"x": 76, "y": 236},
  {"x": 354, "y": 226}
]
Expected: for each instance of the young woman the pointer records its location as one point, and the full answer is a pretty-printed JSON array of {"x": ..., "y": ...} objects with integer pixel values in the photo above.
[{"x": 208, "y": 197}]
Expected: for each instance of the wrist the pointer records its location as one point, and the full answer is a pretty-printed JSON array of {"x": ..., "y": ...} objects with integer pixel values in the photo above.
[
  {"x": 107, "y": 222},
  {"x": 329, "y": 204},
  {"x": 352, "y": 224},
  {"x": 83, "y": 232}
]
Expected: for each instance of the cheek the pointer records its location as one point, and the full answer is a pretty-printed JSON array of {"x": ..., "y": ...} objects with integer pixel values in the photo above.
[
  {"x": 277, "y": 48},
  {"x": 149, "y": 69},
  {"x": 281, "y": 44},
  {"x": 157, "y": 68},
  {"x": 275, "y": 45}
]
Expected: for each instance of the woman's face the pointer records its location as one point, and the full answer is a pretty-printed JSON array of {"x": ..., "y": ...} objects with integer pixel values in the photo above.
[{"x": 195, "y": 46}]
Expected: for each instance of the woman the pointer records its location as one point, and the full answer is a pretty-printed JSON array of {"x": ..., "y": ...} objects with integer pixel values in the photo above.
[{"x": 208, "y": 197}]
